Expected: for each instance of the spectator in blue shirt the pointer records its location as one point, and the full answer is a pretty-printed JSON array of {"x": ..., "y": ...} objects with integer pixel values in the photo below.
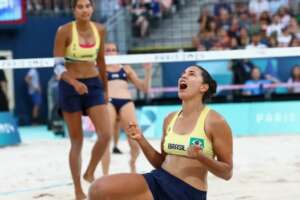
[
  {"x": 256, "y": 83},
  {"x": 221, "y": 5}
]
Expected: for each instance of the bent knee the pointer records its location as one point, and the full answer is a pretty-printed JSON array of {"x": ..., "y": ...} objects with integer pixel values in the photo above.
[{"x": 98, "y": 191}]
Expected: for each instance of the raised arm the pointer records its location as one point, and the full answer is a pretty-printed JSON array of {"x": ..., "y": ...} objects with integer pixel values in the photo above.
[
  {"x": 101, "y": 60},
  {"x": 154, "y": 157},
  {"x": 217, "y": 127},
  {"x": 142, "y": 85}
]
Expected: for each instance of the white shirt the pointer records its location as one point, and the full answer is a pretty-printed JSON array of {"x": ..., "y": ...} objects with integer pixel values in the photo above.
[
  {"x": 274, "y": 28},
  {"x": 35, "y": 81},
  {"x": 258, "y": 46},
  {"x": 284, "y": 40},
  {"x": 257, "y": 7}
]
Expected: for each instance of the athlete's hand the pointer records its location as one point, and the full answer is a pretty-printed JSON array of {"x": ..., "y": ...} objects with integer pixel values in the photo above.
[
  {"x": 80, "y": 87},
  {"x": 133, "y": 131},
  {"x": 194, "y": 151},
  {"x": 147, "y": 66}
]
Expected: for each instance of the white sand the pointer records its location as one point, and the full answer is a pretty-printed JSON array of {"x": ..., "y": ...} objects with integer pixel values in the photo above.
[{"x": 265, "y": 168}]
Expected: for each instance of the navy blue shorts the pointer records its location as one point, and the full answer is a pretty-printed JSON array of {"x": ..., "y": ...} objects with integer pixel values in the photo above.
[
  {"x": 165, "y": 186},
  {"x": 71, "y": 101},
  {"x": 36, "y": 98}
]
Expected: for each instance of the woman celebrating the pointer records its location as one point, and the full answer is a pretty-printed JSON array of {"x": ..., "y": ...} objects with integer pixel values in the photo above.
[
  {"x": 83, "y": 86},
  {"x": 195, "y": 140}
]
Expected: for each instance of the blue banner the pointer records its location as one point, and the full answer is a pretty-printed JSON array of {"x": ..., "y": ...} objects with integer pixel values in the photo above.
[
  {"x": 245, "y": 119},
  {"x": 9, "y": 134}
]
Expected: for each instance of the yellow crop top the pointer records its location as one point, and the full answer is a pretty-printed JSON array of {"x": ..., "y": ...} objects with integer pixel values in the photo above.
[
  {"x": 177, "y": 144},
  {"x": 77, "y": 52}
]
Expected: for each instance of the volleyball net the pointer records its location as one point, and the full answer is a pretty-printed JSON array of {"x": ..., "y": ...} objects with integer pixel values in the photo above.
[{"x": 224, "y": 66}]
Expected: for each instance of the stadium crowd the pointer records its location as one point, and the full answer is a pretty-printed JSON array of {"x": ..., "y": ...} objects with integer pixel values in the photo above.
[{"x": 256, "y": 24}]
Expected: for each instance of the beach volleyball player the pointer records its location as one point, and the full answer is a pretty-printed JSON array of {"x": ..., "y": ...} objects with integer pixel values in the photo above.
[
  {"x": 82, "y": 86},
  {"x": 121, "y": 105},
  {"x": 195, "y": 140}
]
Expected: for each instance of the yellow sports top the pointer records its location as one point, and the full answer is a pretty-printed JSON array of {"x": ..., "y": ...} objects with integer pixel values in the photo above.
[
  {"x": 77, "y": 52},
  {"x": 177, "y": 144}
]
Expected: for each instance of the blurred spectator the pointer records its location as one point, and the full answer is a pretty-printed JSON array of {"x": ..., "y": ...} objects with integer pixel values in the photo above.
[
  {"x": 285, "y": 38},
  {"x": 34, "y": 5},
  {"x": 295, "y": 78},
  {"x": 264, "y": 20},
  {"x": 204, "y": 19},
  {"x": 294, "y": 28},
  {"x": 256, "y": 82},
  {"x": 55, "y": 120},
  {"x": 221, "y": 4},
  {"x": 34, "y": 90},
  {"x": 245, "y": 21},
  {"x": 243, "y": 38},
  {"x": 224, "y": 20},
  {"x": 254, "y": 25},
  {"x": 156, "y": 9},
  {"x": 256, "y": 42},
  {"x": 3, "y": 92},
  {"x": 275, "y": 26},
  {"x": 107, "y": 8},
  {"x": 272, "y": 41},
  {"x": 224, "y": 39},
  {"x": 166, "y": 5},
  {"x": 234, "y": 43},
  {"x": 234, "y": 27},
  {"x": 295, "y": 42},
  {"x": 56, "y": 6},
  {"x": 275, "y": 5},
  {"x": 140, "y": 11},
  {"x": 207, "y": 36},
  {"x": 241, "y": 70},
  {"x": 285, "y": 16},
  {"x": 256, "y": 7},
  {"x": 62, "y": 5}
]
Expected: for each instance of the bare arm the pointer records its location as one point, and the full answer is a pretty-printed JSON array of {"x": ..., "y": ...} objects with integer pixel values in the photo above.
[
  {"x": 101, "y": 60},
  {"x": 142, "y": 85},
  {"x": 59, "y": 50},
  {"x": 154, "y": 157},
  {"x": 222, "y": 146}
]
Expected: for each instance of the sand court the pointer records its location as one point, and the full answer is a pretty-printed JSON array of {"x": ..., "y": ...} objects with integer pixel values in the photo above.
[{"x": 265, "y": 168}]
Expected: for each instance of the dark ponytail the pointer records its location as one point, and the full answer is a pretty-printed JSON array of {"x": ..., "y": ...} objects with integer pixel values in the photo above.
[{"x": 212, "y": 84}]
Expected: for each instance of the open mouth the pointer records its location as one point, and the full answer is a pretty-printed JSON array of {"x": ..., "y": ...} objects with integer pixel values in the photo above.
[{"x": 182, "y": 86}]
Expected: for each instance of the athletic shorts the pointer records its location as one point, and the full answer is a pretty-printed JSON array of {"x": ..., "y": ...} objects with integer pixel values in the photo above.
[
  {"x": 71, "y": 101},
  {"x": 165, "y": 186},
  {"x": 36, "y": 98}
]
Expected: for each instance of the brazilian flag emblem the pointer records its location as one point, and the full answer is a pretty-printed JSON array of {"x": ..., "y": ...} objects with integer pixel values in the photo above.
[{"x": 197, "y": 142}]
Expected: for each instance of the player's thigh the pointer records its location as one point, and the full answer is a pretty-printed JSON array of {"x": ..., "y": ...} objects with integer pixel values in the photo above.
[
  {"x": 121, "y": 187},
  {"x": 127, "y": 114}
]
